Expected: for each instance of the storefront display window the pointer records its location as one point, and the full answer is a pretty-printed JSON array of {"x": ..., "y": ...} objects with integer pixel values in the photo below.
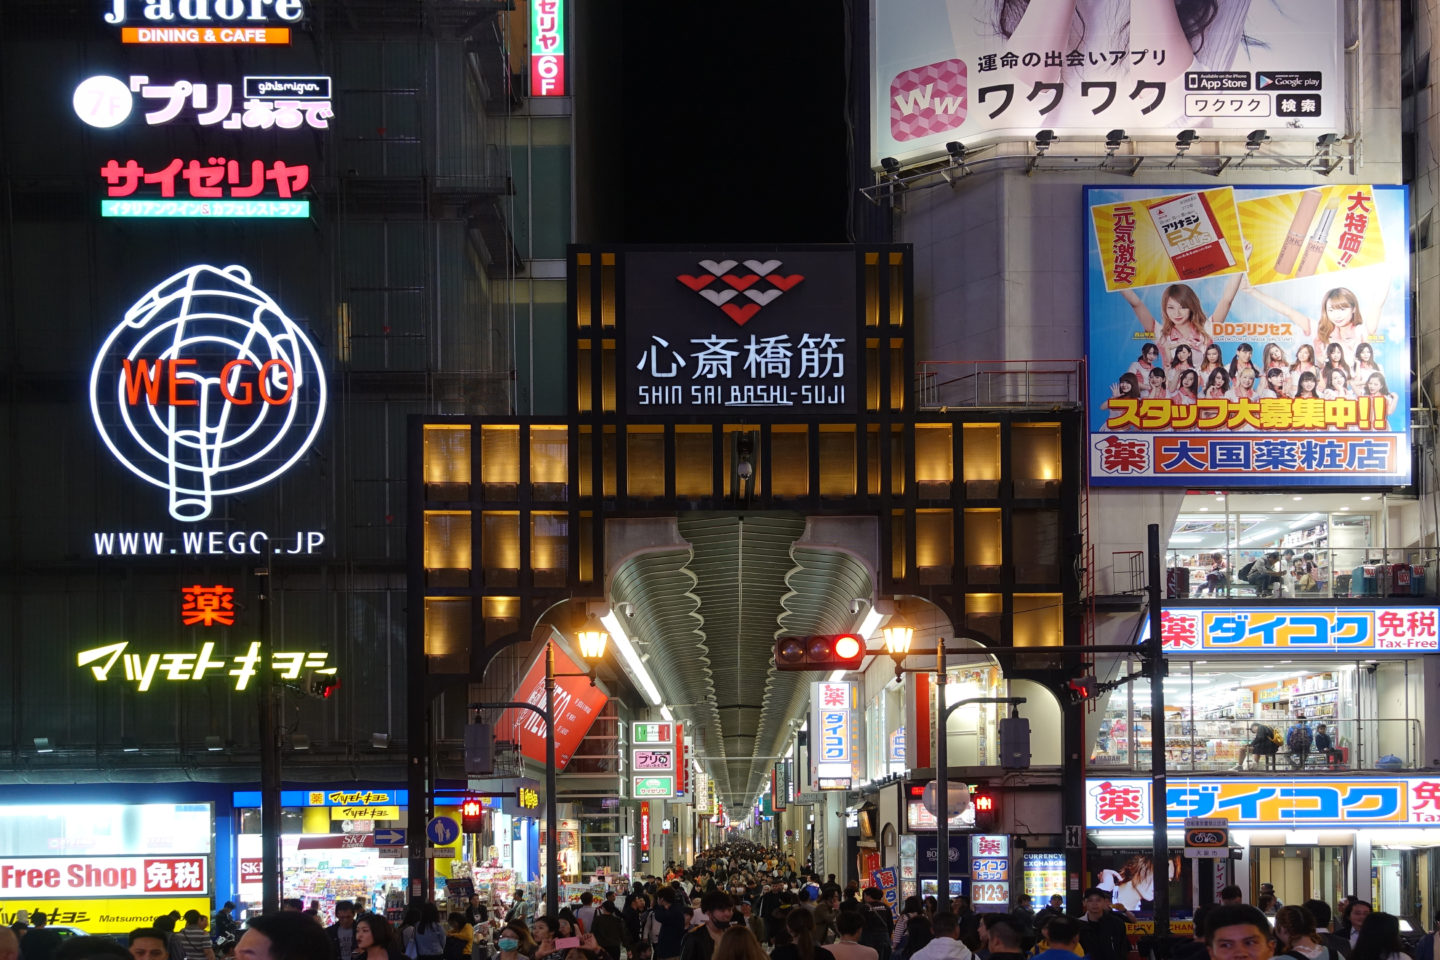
[
  {"x": 1311, "y": 544},
  {"x": 1328, "y": 716}
]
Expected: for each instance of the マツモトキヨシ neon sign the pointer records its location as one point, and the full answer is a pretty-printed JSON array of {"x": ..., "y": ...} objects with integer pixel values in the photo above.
[{"x": 207, "y": 388}]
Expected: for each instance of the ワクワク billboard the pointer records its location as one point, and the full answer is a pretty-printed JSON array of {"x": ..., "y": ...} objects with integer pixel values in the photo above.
[{"x": 981, "y": 70}]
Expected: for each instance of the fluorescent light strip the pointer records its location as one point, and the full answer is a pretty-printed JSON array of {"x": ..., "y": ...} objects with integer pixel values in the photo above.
[
  {"x": 631, "y": 658},
  {"x": 665, "y": 712}
]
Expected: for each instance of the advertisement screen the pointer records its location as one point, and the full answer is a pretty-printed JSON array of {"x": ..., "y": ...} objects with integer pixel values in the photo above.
[
  {"x": 980, "y": 70},
  {"x": 1248, "y": 336},
  {"x": 1129, "y": 876}
]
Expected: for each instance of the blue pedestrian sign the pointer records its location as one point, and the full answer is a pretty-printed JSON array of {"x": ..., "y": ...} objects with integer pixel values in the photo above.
[
  {"x": 389, "y": 837},
  {"x": 442, "y": 831}
]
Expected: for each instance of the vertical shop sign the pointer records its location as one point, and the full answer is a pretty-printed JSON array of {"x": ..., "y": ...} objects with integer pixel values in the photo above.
[
  {"x": 644, "y": 825},
  {"x": 547, "y": 48}
]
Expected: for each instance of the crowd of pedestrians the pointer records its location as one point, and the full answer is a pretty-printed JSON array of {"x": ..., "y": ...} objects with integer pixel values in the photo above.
[{"x": 744, "y": 902}]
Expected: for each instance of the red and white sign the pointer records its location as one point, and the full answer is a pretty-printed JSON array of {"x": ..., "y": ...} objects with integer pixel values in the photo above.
[
  {"x": 644, "y": 824},
  {"x": 103, "y": 876},
  {"x": 252, "y": 870},
  {"x": 577, "y": 704}
]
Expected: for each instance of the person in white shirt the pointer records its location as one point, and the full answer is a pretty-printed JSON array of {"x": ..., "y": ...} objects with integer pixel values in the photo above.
[
  {"x": 944, "y": 945},
  {"x": 848, "y": 947}
]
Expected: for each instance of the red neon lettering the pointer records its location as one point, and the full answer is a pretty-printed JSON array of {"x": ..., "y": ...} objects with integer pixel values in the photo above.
[
  {"x": 142, "y": 373},
  {"x": 247, "y": 396},
  {"x": 265, "y": 379},
  {"x": 175, "y": 400}
]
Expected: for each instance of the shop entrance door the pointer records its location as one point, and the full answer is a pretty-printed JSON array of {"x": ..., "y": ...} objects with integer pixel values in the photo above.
[{"x": 1300, "y": 873}]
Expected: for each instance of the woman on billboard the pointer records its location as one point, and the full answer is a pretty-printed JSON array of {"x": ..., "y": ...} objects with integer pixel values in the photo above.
[
  {"x": 1340, "y": 322},
  {"x": 1185, "y": 319}
]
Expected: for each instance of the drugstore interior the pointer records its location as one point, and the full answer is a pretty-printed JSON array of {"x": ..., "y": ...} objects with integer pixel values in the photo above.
[
  {"x": 1368, "y": 708},
  {"x": 1340, "y": 531}
]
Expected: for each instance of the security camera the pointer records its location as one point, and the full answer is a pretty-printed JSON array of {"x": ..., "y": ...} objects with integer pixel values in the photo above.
[
  {"x": 627, "y": 609},
  {"x": 744, "y": 469},
  {"x": 858, "y": 604}
]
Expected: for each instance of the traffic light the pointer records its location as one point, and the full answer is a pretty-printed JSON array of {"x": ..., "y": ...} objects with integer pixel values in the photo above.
[
  {"x": 1082, "y": 689},
  {"x": 840, "y": 651},
  {"x": 1015, "y": 743},
  {"x": 471, "y": 812},
  {"x": 321, "y": 685},
  {"x": 986, "y": 812}
]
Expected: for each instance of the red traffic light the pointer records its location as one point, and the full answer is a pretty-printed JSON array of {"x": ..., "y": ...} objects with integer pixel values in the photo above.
[
  {"x": 983, "y": 803},
  {"x": 839, "y": 651},
  {"x": 471, "y": 812}
]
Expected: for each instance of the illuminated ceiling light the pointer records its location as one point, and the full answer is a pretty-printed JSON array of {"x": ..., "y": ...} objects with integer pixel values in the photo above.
[
  {"x": 1366, "y": 498},
  {"x": 1344, "y": 508},
  {"x": 44, "y": 745},
  {"x": 631, "y": 658},
  {"x": 129, "y": 745},
  {"x": 1278, "y": 509},
  {"x": 214, "y": 744},
  {"x": 1308, "y": 518},
  {"x": 665, "y": 712},
  {"x": 380, "y": 741},
  {"x": 1221, "y": 498},
  {"x": 299, "y": 741},
  {"x": 1204, "y": 509},
  {"x": 1297, "y": 499}
]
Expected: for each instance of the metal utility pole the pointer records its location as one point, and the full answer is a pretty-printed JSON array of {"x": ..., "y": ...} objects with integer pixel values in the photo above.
[
  {"x": 270, "y": 865},
  {"x": 942, "y": 773},
  {"x": 1155, "y": 663},
  {"x": 552, "y": 804}
]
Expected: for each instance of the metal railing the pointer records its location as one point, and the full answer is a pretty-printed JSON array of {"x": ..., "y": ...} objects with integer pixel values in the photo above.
[
  {"x": 1337, "y": 572},
  {"x": 999, "y": 383},
  {"x": 1217, "y": 745}
]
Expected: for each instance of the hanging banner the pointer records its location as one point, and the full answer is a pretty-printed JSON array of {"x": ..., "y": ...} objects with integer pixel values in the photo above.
[
  {"x": 1248, "y": 336},
  {"x": 577, "y": 703}
]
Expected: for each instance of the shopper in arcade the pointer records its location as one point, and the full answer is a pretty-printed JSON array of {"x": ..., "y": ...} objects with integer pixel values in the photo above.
[
  {"x": 374, "y": 940},
  {"x": 1238, "y": 932},
  {"x": 342, "y": 931},
  {"x": 287, "y": 935},
  {"x": 1379, "y": 938},
  {"x": 1102, "y": 930}
]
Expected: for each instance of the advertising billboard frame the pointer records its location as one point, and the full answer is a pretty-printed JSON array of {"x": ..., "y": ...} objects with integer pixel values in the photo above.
[{"x": 1330, "y": 272}]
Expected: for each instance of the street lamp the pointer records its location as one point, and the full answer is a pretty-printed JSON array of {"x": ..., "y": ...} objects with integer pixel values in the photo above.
[
  {"x": 592, "y": 644},
  {"x": 897, "y": 644}
]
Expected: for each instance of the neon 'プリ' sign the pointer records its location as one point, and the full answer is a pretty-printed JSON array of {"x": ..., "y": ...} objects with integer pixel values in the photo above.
[{"x": 207, "y": 388}]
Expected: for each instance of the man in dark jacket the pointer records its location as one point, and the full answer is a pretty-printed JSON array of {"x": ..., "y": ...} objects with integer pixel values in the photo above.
[
  {"x": 342, "y": 931},
  {"x": 670, "y": 915},
  {"x": 1102, "y": 931},
  {"x": 1320, "y": 910},
  {"x": 717, "y": 909}
]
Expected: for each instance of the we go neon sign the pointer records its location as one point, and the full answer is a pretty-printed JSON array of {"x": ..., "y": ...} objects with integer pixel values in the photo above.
[{"x": 207, "y": 388}]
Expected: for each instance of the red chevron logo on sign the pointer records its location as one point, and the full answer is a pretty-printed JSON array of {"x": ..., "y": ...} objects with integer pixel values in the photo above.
[{"x": 746, "y": 285}]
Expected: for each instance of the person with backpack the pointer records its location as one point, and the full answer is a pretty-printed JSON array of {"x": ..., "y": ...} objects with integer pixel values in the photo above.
[
  {"x": 1299, "y": 738},
  {"x": 1263, "y": 573},
  {"x": 1265, "y": 742}
]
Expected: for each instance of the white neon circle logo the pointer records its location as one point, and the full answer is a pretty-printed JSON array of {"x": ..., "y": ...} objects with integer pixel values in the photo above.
[{"x": 207, "y": 388}]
